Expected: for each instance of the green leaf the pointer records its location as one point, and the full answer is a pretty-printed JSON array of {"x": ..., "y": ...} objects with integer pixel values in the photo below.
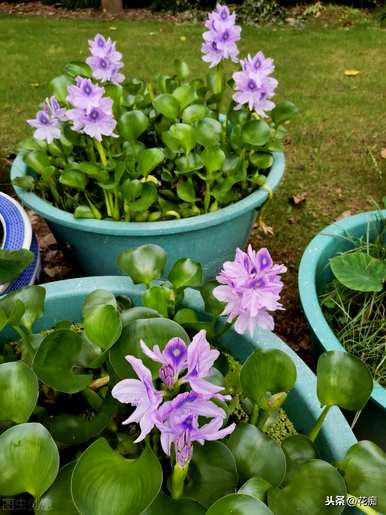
[
  {"x": 13, "y": 262},
  {"x": 182, "y": 69},
  {"x": 298, "y": 449},
  {"x": 74, "y": 179},
  {"x": 95, "y": 171},
  {"x": 283, "y": 112},
  {"x": 184, "y": 134},
  {"x": 261, "y": 160},
  {"x": 267, "y": 371},
  {"x": 194, "y": 113},
  {"x": 132, "y": 124},
  {"x": 102, "y": 321},
  {"x": 96, "y": 299},
  {"x": 37, "y": 160},
  {"x": 143, "y": 264},
  {"x": 19, "y": 391},
  {"x": 59, "y": 86},
  {"x": 255, "y": 133},
  {"x": 105, "y": 482},
  {"x": 31, "y": 300},
  {"x": 57, "y": 500},
  {"x": 185, "y": 95},
  {"x": 137, "y": 313},
  {"x": 185, "y": 316},
  {"x": 186, "y": 191},
  {"x": 207, "y": 132},
  {"x": 306, "y": 493},
  {"x": 83, "y": 212},
  {"x": 26, "y": 182},
  {"x": 239, "y": 504},
  {"x": 167, "y": 105},
  {"x": 213, "y": 159},
  {"x": 153, "y": 331},
  {"x": 186, "y": 273},
  {"x": 257, "y": 487},
  {"x": 358, "y": 271},
  {"x": 159, "y": 298},
  {"x": 256, "y": 454},
  {"x": 343, "y": 380},
  {"x": 29, "y": 460},
  {"x": 148, "y": 196},
  {"x": 212, "y": 305},
  {"x": 149, "y": 159},
  {"x": 77, "y": 68},
  {"x": 212, "y": 473},
  {"x": 165, "y": 505},
  {"x": 364, "y": 470},
  {"x": 55, "y": 360}
]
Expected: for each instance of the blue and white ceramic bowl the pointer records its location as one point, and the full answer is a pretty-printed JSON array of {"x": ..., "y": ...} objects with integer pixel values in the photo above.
[{"x": 17, "y": 234}]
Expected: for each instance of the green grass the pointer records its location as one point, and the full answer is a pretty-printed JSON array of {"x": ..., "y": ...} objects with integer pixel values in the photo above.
[{"x": 341, "y": 118}]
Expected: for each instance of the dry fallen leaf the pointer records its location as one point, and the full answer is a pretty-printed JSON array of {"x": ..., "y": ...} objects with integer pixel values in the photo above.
[
  {"x": 266, "y": 229},
  {"x": 298, "y": 199},
  {"x": 351, "y": 73},
  {"x": 383, "y": 153},
  {"x": 345, "y": 214}
]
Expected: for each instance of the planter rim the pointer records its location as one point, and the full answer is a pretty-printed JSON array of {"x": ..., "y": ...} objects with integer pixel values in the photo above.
[
  {"x": 337, "y": 433},
  {"x": 307, "y": 284},
  {"x": 53, "y": 214}
]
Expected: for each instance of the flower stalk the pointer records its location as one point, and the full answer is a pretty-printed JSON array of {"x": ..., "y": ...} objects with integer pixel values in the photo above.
[{"x": 178, "y": 480}]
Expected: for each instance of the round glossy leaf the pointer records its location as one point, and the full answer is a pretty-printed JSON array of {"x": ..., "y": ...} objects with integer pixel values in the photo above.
[
  {"x": 143, "y": 264},
  {"x": 55, "y": 360},
  {"x": 32, "y": 298},
  {"x": 265, "y": 371},
  {"x": 255, "y": 133},
  {"x": 103, "y": 326},
  {"x": 96, "y": 299},
  {"x": 159, "y": 298},
  {"x": 13, "y": 262},
  {"x": 364, "y": 469},
  {"x": 212, "y": 473},
  {"x": 153, "y": 331},
  {"x": 105, "y": 482},
  {"x": 256, "y": 487},
  {"x": 194, "y": 113},
  {"x": 149, "y": 159},
  {"x": 83, "y": 212},
  {"x": 186, "y": 273},
  {"x": 26, "y": 183},
  {"x": 57, "y": 500},
  {"x": 167, "y": 105},
  {"x": 207, "y": 132},
  {"x": 137, "y": 313},
  {"x": 212, "y": 305},
  {"x": 298, "y": 449},
  {"x": 185, "y": 316},
  {"x": 165, "y": 505},
  {"x": 185, "y": 95},
  {"x": 256, "y": 454},
  {"x": 283, "y": 112},
  {"x": 306, "y": 493},
  {"x": 182, "y": 69},
  {"x": 239, "y": 504},
  {"x": 343, "y": 380},
  {"x": 19, "y": 391},
  {"x": 186, "y": 191},
  {"x": 184, "y": 134},
  {"x": 261, "y": 160},
  {"x": 59, "y": 87},
  {"x": 74, "y": 179},
  {"x": 213, "y": 159},
  {"x": 358, "y": 271},
  {"x": 29, "y": 460},
  {"x": 132, "y": 124},
  {"x": 77, "y": 68}
]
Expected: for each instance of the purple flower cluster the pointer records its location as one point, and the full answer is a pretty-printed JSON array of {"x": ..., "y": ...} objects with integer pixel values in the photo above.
[
  {"x": 47, "y": 120},
  {"x": 250, "y": 286},
  {"x": 105, "y": 61},
  {"x": 253, "y": 84},
  {"x": 177, "y": 419},
  {"x": 220, "y": 40},
  {"x": 92, "y": 113}
]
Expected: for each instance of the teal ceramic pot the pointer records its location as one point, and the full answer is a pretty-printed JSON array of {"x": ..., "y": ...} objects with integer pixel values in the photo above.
[
  {"x": 314, "y": 275},
  {"x": 210, "y": 239},
  {"x": 64, "y": 301}
]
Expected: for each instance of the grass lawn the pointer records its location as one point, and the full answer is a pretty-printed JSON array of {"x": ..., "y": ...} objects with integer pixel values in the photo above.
[{"x": 341, "y": 121}]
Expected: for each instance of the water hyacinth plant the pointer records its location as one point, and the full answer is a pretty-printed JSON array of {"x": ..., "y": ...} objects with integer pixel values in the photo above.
[
  {"x": 106, "y": 146},
  {"x": 139, "y": 409}
]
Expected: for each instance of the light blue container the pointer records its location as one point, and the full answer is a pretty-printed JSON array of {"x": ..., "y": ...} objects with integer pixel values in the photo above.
[
  {"x": 314, "y": 275},
  {"x": 210, "y": 239},
  {"x": 64, "y": 301}
]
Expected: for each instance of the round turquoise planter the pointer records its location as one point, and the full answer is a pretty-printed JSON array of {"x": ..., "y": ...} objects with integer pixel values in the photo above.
[
  {"x": 210, "y": 239},
  {"x": 314, "y": 275},
  {"x": 64, "y": 301}
]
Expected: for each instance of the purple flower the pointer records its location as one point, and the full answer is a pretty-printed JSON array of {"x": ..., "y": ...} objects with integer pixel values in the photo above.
[
  {"x": 178, "y": 421},
  {"x": 96, "y": 121},
  {"x": 84, "y": 94},
  {"x": 173, "y": 359},
  {"x": 250, "y": 286},
  {"x": 220, "y": 39},
  {"x": 253, "y": 84},
  {"x": 55, "y": 110},
  {"x": 105, "y": 61},
  {"x": 141, "y": 394},
  {"x": 45, "y": 125}
]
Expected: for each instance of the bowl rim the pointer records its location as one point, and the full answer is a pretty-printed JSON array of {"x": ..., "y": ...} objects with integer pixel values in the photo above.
[
  {"x": 119, "y": 228},
  {"x": 307, "y": 284}
]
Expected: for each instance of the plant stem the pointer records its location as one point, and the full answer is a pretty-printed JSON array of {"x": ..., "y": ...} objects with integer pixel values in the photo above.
[
  {"x": 24, "y": 338},
  {"x": 254, "y": 414},
  {"x": 263, "y": 420},
  {"x": 101, "y": 152},
  {"x": 318, "y": 424},
  {"x": 178, "y": 479}
]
